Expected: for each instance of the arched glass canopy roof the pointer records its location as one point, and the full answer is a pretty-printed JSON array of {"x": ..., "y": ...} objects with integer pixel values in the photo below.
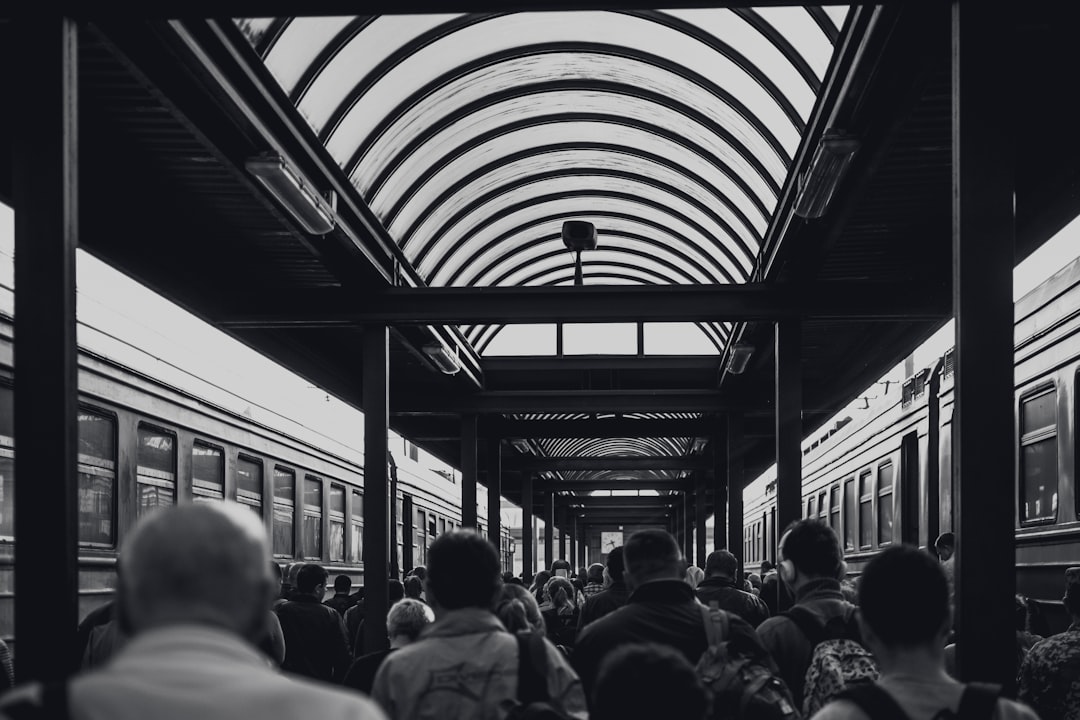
[{"x": 474, "y": 136}]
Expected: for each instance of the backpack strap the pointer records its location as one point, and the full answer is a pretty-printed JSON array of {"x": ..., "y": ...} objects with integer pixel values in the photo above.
[
  {"x": 808, "y": 623},
  {"x": 874, "y": 702},
  {"x": 532, "y": 668},
  {"x": 978, "y": 701},
  {"x": 716, "y": 625}
]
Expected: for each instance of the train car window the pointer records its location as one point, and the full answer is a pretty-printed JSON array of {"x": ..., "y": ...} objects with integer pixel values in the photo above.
[
  {"x": 207, "y": 473},
  {"x": 97, "y": 479},
  {"x": 337, "y": 523},
  {"x": 7, "y": 464},
  {"x": 810, "y": 512},
  {"x": 284, "y": 511},
  {"x": 849, "y": 514},
  {"x": 834, "y": 508},
  {"x": 442, "y": 525},
  {"x": 356, "y": 529},
  {"x": 823, "y": 507},
  {"x": 885, "y": 503},
  {"x": 1038, "y": 457},
  {"x": 155, "y": 468},
  {"x": 249, "y": 483},
  {"x": 421, "y": 528},
  {"x": 312, "y": 517},
  {"x": 866, "y": 510}
]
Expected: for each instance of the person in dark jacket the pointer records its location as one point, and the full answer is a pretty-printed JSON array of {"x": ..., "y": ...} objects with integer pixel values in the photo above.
[
  {"x": 777, "y": 596},
  {"x": 403, "y": 625},
  {"x": 611, "y": 599},
  {"x": 342, "y": 600},
  {"x": 719, "y": 587},
  {"x": 661, "y": 609},
  {"x": 315, "y": 640}
]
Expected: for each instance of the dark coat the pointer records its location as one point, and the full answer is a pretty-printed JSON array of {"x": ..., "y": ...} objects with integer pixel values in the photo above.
[
  {"x": 315, "y": 643},
  {"x": 727, "y": 596},
  {"x": 662, "y": 611},
  {"x": 602, "y": 603}
]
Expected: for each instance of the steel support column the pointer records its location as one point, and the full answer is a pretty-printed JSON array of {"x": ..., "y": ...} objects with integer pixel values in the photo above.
[
  {"x": 983, "y": 255},
  {"x": 572, "y": 555},
  {"x": 735, "y": 488},
  {"x": 686, "y": 526},
  {"x": 720, "y": 485},
  {"x": 46, "y": 386},
  {"x": 528, "y": 531},
  {"x": 468, "y": 470},
  {"x": 788, "y": 425},
  {"x": 699, "y": 520},
  {"x": 549, "y": 528},
  {"x": 494, "y": 492},
  {"x": 376, "y": 554}
]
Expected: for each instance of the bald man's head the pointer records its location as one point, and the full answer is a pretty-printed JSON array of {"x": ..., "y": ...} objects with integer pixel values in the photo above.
[{"x": 200, "y": 563}]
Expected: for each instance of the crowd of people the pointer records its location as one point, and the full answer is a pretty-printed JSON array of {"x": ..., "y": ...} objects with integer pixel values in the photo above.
[{"x": 206, "y": 625}]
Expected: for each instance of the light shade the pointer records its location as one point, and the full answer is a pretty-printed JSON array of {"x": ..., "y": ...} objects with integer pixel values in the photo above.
[
  {"x": 445, "y": 361},
  {"x": 830, "y": 164},
  {"x": 739, "y": 357},
  {"x": 305, "y": 205}
]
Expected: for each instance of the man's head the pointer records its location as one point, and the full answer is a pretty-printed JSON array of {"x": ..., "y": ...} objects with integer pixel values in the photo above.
[
  {"x": 647, "y": 680},
  {"x": 809, "y": 550},
  {"x": 311, "y": 580},
  {"x": 463, "y": 571},
  {"x": 419, "y": 571},
  {"x": 945, "y": 545},
  {"x": 292, "y": 572},
  {"x": 406, "y": 619},
  {"x": 652, "y": 555},
  {"x": 766, "y": 566},
  {"x": 904, "y": 601},
  {"x": 414, "y": 587},
  {"x": 595, "y": 573},
  {"x": 721, "y": 563},
  {"x": 557, "y": 565},
  {"x": 199, "y": 563},
  {"x": 343, "y": 584},
  {"x": 1072, "y": 591},
  {"x": 615, "y": 565}
]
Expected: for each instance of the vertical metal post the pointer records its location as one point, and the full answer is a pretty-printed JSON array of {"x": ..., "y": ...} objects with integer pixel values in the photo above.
[
  {"x": 46, "y": 354},
  {"x": 720, "y": 488},
  {"x": 788, "y": 425},
  {"x": 528, "y": 533},
  {"x": 549, "y": 527},
  {"x": 468, "y": 470},
  {"x": 494, "y": 488},
  {"x": 983, "y": 256},
  {"x": 408, "y": 532},
  {"x": 735, "y": 488},
  {"x": 376, "y": 554},
  {"x": 687, "y": 526},
  {"x": 699, "y": 519},
  {"x": 572, "y": 555},
  {"x": 564, "y": 536}
]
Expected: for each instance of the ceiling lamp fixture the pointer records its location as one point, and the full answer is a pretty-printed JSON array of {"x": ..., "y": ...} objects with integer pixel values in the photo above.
[
  {"x": 444, "y": 361},
  {"x": 294, "y": 193},
  {"x": 818, "y": 184},
  {"x": 739, "y": 357},
  {"x": 579, "y": 235}
]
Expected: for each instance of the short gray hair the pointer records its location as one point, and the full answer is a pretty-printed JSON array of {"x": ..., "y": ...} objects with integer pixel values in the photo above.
[{"x": 408, "y": 617}]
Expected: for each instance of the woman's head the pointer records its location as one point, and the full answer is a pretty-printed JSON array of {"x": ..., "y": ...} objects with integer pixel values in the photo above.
[
  {"x": 694, "y": 575},
  {"x": 518, "y": 611},
  {"x": 561, "y": 592},
  {"x": 540, "y": 580}
]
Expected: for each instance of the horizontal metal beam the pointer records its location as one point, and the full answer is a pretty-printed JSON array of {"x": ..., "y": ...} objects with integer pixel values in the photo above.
[
  {"x": 588, "y": 502},
  {"x": 642, "y": 363},
  {"x": 333, "y": 307},
  {"x": 678, "y": 485},
  {"x": 600, "y": 428},
  {"x": 560, "y": 401},
  {"x": 619, "y": 514},
  {"x": 526, "y": 463}
]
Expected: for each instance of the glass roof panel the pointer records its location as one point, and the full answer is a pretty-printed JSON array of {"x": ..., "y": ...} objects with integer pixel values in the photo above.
[
  {"x": 677, "y": 339},
  {"x": 600, "y": 339},
  {"x": 517, "y": 340},
  {"x": 837, "y": 13},
  {"x": 799, "y": 28},
  {"x": 299, "y": 45}
]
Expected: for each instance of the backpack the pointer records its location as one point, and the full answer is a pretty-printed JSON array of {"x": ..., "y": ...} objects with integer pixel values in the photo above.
[
  {"x": 839, "y": 660},
  {"x": 742, "y": 687},
  {"x": 533, "y": 700},
  {"x": 978, "y": 702}
]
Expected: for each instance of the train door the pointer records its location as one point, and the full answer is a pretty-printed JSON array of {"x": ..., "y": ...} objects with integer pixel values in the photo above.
[
  {"x": 910, "y": 490},
  {"x": 408, "y": 533}
]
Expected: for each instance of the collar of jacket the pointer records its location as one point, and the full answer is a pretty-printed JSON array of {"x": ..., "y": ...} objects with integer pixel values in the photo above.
[
  {"x": 663, "y": 591},
  {"x": 718, "y": 581},
  {"x": 820, "y": 589},
  {"x": 466, "y": 621},
  {"x": 305, "y": 598}
]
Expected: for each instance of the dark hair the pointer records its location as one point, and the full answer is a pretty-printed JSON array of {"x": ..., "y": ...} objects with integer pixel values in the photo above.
[
  {"x": 414, "y": 586},
  {"x": 275, "y": 569},
  {"x": 721, "y": 562},
  {"x": 647, "y": 680},
  {"x": 945, "y": 540},
  {"x": 539, "y": 581},
  {"x": 766, "y": 566},
  {"x": 595, "y": 573},
  {"x": 342, "y": 584},
  {"x": 560, "y": 565},
  {"x": 394, "y": 590},
  {"x": 517, "y": 610},
  {"x": 652, "y": 552},
  {"x": 616, "y": 564},
  {"x": 516, "y": 581},
  {"x": 904, "y": 597},
  {"x": 561, "y": 592},
  {"x": 419, "y": 571},
  {"x": 813, "y": 547},
  {"x": 463, "y": 570},
  {"x": 310, "y": 577}
]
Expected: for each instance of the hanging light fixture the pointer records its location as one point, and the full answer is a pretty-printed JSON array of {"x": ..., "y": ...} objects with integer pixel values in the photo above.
[{"x": 579, "y": 235}]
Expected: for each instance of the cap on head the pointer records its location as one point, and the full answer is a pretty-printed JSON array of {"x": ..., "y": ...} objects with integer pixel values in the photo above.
[{"x": 596, "y": 573}]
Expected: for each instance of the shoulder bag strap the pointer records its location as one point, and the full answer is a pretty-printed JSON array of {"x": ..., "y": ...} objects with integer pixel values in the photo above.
[
  {"x": 532, "y": 669},
  {"x": 876, "y": 703},
  {"x": 978, "y": 701},
  {"x": 808, "y": 624},
  {"x": 716, "y": 625}
]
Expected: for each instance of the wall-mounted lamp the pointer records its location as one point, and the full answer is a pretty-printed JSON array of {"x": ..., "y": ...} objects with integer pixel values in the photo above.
[
  {"x": 818, "y": 184},
  {"x": 296, "y": 195},
  {"x": 445, "y": 361},
  {"x": 698, "y": 445},
  {"x": 521, "y": 445},
  {"x": 579, "y": 235},
  {"x": 739, "y": 357}
]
